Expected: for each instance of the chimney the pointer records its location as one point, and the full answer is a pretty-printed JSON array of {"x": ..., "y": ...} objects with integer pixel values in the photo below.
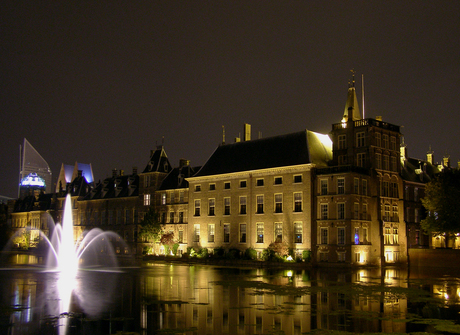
[
  {"x": 378, "y": 118},
  {"x": 134, "y": 169},
  {"x": 80, "y": 172},
  {"x": 122, "y": 172},
  {"x": 237, "y": 139},
  {"x": 446, "y": 161},
  {"x": 114, "y": 173},
  {"x": 429, "y": 156},
  {"x": 183, "y": 162},
  {"x": 247, "y": 132}
]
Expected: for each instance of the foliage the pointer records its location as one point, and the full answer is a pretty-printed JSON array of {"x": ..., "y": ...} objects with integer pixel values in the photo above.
[
  {"x": 442, "y": 202},
  {"x": 219, "y": 252},
  {"x": 150, "y": 230},
  {"x": 250, "y": 253},
  {"x": 306, "y": 255},
  {"x": 280, "y": 248},
  {"x": 203, "y": 253},
  {"x": 233, "y": 254},
  {"x": 174, "y": 248},
  {"x": 167, "y": 239},
  {"x": 22, "y": 239}
]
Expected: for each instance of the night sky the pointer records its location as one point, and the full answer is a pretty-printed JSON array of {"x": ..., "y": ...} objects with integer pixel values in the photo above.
[{"x": 102, "y": 82}]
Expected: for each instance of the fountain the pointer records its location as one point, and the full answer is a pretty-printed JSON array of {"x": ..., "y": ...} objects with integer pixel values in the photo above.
[{"x": 94, "y": 252}]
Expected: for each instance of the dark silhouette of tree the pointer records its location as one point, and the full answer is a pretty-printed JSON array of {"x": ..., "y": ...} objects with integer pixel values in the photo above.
[
  {"x": 167, "y": 239},
  {"x": 442, "y": 202}
]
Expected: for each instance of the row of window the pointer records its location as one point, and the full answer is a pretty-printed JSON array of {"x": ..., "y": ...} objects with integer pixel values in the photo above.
[
  {"x": 119, "y": 216},
  {"x": 357, "y": 238},
  {"x": 278, "y": 204},
  {"x": 242, "y": 237},
  {"x": 172, "y": 217},
  {"x": 325, "y": 214},
  {"x": 243, "y": 183},
  {"x": 381, "y": 141},
  {"x": 386, "y": 162},
  {"x": 360, "y": 159},
  {"x": 358, "y": 188}
]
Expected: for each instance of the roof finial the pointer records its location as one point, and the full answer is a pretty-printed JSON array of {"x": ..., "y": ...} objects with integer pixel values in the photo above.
[{"x": 353, "y": 72}]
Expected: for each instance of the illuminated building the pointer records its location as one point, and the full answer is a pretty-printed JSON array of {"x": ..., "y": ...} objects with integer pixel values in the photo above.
[
  {"x": 68, "y": 173},
  {"x": 255, "y": 192},
  {"x": 34, "y": 171}
]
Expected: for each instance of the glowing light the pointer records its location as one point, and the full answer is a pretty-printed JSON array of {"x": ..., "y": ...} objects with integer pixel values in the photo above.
[
  {"x": 289, "y": 258},
  {"x": 289, "y": 273},
  {"x": 32, "y": 179}
]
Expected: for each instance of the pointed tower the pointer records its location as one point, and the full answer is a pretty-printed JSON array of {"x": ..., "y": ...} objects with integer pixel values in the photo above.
[{"x": 351, "y": 106}]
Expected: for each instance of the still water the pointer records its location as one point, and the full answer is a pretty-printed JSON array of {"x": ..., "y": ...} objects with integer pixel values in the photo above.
[{"x": 202, "y": 299}]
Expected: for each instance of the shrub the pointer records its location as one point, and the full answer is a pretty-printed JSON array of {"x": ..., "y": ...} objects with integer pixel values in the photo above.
[
  {"x": 174, "y": 248},
  {"x": 250, "y": 253},
  {"x": 219, "y": 252},
  {"x": 306, "y": 255},
  {"x": 203, "y": 253},
  {"x": 233, "y": 254}
]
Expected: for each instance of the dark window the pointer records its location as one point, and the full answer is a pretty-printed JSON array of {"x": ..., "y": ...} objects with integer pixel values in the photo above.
[
  {"x": 227, "y": 185},
  {"x": 260, "y": 182},
  {"x": 243, "y": 183}
]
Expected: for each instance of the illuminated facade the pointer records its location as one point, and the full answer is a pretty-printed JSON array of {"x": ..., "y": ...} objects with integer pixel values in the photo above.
[{"x": 250, "y": 194}]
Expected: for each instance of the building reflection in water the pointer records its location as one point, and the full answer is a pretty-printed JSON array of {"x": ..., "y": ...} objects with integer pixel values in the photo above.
[{"x": 210, "y": 300}]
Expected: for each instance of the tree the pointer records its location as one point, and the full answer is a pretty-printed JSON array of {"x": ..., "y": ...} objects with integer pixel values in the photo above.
[
  {"x": 442, "y": 202},
  {"x": 150, "y": 228},
  {"x": 167, "y": 239}
]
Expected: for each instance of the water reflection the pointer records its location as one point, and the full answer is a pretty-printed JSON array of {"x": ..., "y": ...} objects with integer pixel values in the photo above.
[{"x": 210, "y": 300}]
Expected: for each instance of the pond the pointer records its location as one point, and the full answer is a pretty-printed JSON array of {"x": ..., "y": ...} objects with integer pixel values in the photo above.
[{"x": 203, "y": 299}]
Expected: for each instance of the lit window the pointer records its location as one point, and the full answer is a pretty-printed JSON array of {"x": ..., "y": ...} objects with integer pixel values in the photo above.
[
  {"x": 324, "y": 211},
  {"x": 340, "y": 185},
  {"x": 341, "y": 211},
  {"x": 212, "y": 207},
  {"x": 341, "y": 235},
  {"x": 196, "y": 233},
  {"x": 226, "y": 233},
  {"x": 226, "y": 206},
  {"x": 197, "y": 207},
  {"x": 146, "y": 199},
  {"x": 297, "y": 202},
  {"x": 278, "y": 203},
  {"x": 298, "y": 232},
  {"x": 278, "y": 232},
  {"x": 260, "y": 204},
  {"x": 323, "y": 186},
  {"x": 211, "y": 228},
  {"x": 324, "y": 237},
  {"x": 243, "y": 205},
  {"x": 260, "y": 232},
  {"x": 243, "y": 233}
]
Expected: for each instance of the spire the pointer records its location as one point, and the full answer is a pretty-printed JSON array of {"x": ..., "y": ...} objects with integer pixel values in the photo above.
[{"x": 351, "y": 106}]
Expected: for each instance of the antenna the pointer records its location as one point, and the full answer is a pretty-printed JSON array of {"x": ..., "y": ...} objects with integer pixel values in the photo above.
[{"x": 362, "y": 93}]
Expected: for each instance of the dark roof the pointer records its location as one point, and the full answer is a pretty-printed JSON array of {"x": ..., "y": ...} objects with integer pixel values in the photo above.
[
  {"x": 302, "y": 147},
  {"x": 176, "y": 178},
  {"x": 158, "y": 162},
  {"x": 115, "y": 187},
  {"x": 42, "y": 202},
  {"x": 417, "y": 170}
]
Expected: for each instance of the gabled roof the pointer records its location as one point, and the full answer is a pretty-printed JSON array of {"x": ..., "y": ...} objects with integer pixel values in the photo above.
[
  {"x": 158, "y": 161},
  {"x": 302, "y": 147},
  {"x": 176, "y": 178}
]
